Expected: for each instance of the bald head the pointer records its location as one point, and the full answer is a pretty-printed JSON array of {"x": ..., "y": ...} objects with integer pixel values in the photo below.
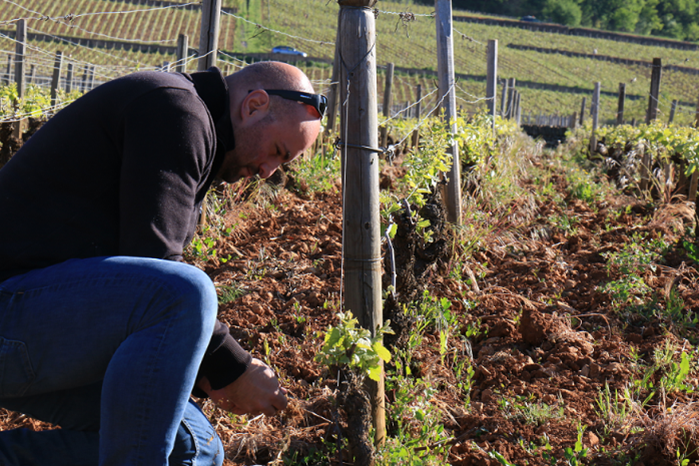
[{"x": 269, "y": 75}]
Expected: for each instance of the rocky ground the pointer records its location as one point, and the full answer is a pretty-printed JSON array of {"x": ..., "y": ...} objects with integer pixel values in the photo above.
[{"x": 551, "y": 352}]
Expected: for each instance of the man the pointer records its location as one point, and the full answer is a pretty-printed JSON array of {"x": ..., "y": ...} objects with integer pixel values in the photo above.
[{"x": 103, "y": 330}]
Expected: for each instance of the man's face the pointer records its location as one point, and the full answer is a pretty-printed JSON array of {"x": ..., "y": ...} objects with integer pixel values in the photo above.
[{"x": 261, "y": 146}]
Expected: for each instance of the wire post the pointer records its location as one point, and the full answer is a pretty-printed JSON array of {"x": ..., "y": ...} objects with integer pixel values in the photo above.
[
  {"x": 582, "y": 110},
  {"x": 511, "y": 83},
  {"x": 445, "y": 64},
  {"x": 620, "y": 107},
  {"x": 654, "y": 90},
  {"x": 360, "y": 180},
  {"x": 208, "y": 40},
  {"x": 69, "y": 78},
  {"x": 673, "y": 109},
  {"x": 492, "y": 79},
  {"x": 19, "y": 72},
  {"x": 333, "y": 91},
  {"x": 182, "y": 53},
  {"x": 56, "y": 78},
  {"x": 595, "y": 117}
]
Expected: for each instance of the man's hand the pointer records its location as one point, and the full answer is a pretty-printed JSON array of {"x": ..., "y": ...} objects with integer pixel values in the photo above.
[{"x": 256, "y": 391}]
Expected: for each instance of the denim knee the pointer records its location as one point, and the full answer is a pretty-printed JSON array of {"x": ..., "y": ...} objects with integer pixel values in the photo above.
[
  {"x": 187, "y": 288},
  {"x": 197, "y": 443}
]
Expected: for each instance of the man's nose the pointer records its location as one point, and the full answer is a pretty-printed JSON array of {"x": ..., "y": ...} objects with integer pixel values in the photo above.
[{"x": 267, "y": 168}]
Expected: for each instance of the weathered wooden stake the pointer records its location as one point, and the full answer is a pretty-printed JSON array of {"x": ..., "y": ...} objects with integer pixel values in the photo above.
[
  {"x": 645, "y": 169},
  {"x": 673, "y": 109},
  {"x": 418, "y": 113},
  {"x": 21, "y": 44},
  {"x": 388, "y": 90},
  {"x": 69, "y": 78},
  {"x": 620, "y": 106},
  {"x": 582, "y": 110},
  {"x": 208, "y": 40},
  {"x": 56, "y": 78},
  {"x": 359, "y": 111},
  {"x": 6, "y": 77},
  {"x": 511, "y": 83},
  {"x": 182, "y": 53},
  {"x": 595, "y": 118},
  {"x": 503, "y": 101},
  {"x": 656, "y": 74},
  {"x": 491, "y": 80},
  {"x": 447, "y": 92},
  {"x": 333, "y": 91}
]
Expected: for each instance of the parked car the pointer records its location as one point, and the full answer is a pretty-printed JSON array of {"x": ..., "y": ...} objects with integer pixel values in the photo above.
[
  {"x": 286, "y": 50},
  {"x": 529, "y": 18}
]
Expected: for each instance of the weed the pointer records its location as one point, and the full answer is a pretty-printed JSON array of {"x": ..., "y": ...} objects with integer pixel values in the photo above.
[
  {"x": 576, "y": 454},
  {"x": 229, "y": 293},
  {"x": 524, "y": 409}
]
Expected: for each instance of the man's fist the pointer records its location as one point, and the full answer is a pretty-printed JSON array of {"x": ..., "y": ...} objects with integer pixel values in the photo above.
[{"x": 256, "y": 391}]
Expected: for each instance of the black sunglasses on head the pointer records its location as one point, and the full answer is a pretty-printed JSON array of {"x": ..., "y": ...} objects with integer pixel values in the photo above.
[{"x": 317, "y": 101}]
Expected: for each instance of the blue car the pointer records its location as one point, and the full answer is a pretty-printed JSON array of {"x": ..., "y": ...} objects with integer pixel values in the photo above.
[
  {"x": 288, "y": 51},
  {"x": 529, "y": 18}
]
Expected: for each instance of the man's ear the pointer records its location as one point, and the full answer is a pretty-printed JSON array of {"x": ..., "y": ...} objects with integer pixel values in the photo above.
[{"x": 254, "y": 106}]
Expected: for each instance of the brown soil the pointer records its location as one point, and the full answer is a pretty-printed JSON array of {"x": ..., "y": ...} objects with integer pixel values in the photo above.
[{"x": 548, "y": 335}]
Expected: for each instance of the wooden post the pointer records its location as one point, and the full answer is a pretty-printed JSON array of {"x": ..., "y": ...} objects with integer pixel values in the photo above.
[
  {"x": 620, "y": 106},
  {"x": 83, "y": 82},
  {"x": 582, "y": 110},
  {"x": 69, "y": 78},
  {"x": 656, "y": 74},
  {"x": 696, "y": 116},
  {"x": 418, "y": 113},
  {"x": 333, "y": 91},
  {"x": 362, "y": 248},
  {"x": 7, "y": 78},
  {"x": 90, "y": 78},
  {"x": 20, "y": 46},
  {"x": 673, "y": 109},
  {"x": 182, "y": 53},
  {"x": 645, "y": 169},
  {"x": 418, "y": 106},
  {"x": 208, "y": 40},
  {"x": 503, "y": 101},
  {"x": 595, "y": 118},
  {"x": 32, "y": 74},
  {"x": 387, "y": 103},
  {"x": 693, "y": 182},
  {"x": 447, "y": 92},
  {"x": 56, "y": 78},
  {"x": 511, "y": 83},
  {"x": 491, "y": 80},
  {"x": 387, "y": 90}
]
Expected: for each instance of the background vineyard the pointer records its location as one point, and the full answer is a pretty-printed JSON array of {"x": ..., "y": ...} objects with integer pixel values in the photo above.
[{"x": 254, "y": 27}]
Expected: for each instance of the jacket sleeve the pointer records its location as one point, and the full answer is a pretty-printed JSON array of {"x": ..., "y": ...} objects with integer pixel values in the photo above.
[{"x": 225, "y": 360}]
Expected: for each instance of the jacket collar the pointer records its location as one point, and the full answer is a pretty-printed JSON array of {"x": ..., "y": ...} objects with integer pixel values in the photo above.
[{"x": 213, "y": 90}]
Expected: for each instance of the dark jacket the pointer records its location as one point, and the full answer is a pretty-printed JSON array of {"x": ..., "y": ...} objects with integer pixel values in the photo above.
[{"x": 123, "y": 170}]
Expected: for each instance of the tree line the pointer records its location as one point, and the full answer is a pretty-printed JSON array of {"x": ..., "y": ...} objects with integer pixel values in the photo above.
[{"x": 676, "y": 19}]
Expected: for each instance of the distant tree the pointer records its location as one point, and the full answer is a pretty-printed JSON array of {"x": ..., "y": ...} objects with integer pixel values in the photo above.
[
  {"x": 566, "y": 12},
  {"x": 648, "y": 20}
]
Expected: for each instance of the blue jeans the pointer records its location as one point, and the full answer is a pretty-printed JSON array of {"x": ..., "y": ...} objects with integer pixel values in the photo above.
[{"x": 108, "y": 349}]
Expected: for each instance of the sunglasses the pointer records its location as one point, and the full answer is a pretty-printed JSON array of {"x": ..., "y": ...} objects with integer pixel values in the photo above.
[{"x": 317, "y": 101}]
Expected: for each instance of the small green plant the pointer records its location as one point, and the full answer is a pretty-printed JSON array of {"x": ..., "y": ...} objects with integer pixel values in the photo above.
[
  {"x": 348, "y": 345},
  {"x": 578, "y": 453}
]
